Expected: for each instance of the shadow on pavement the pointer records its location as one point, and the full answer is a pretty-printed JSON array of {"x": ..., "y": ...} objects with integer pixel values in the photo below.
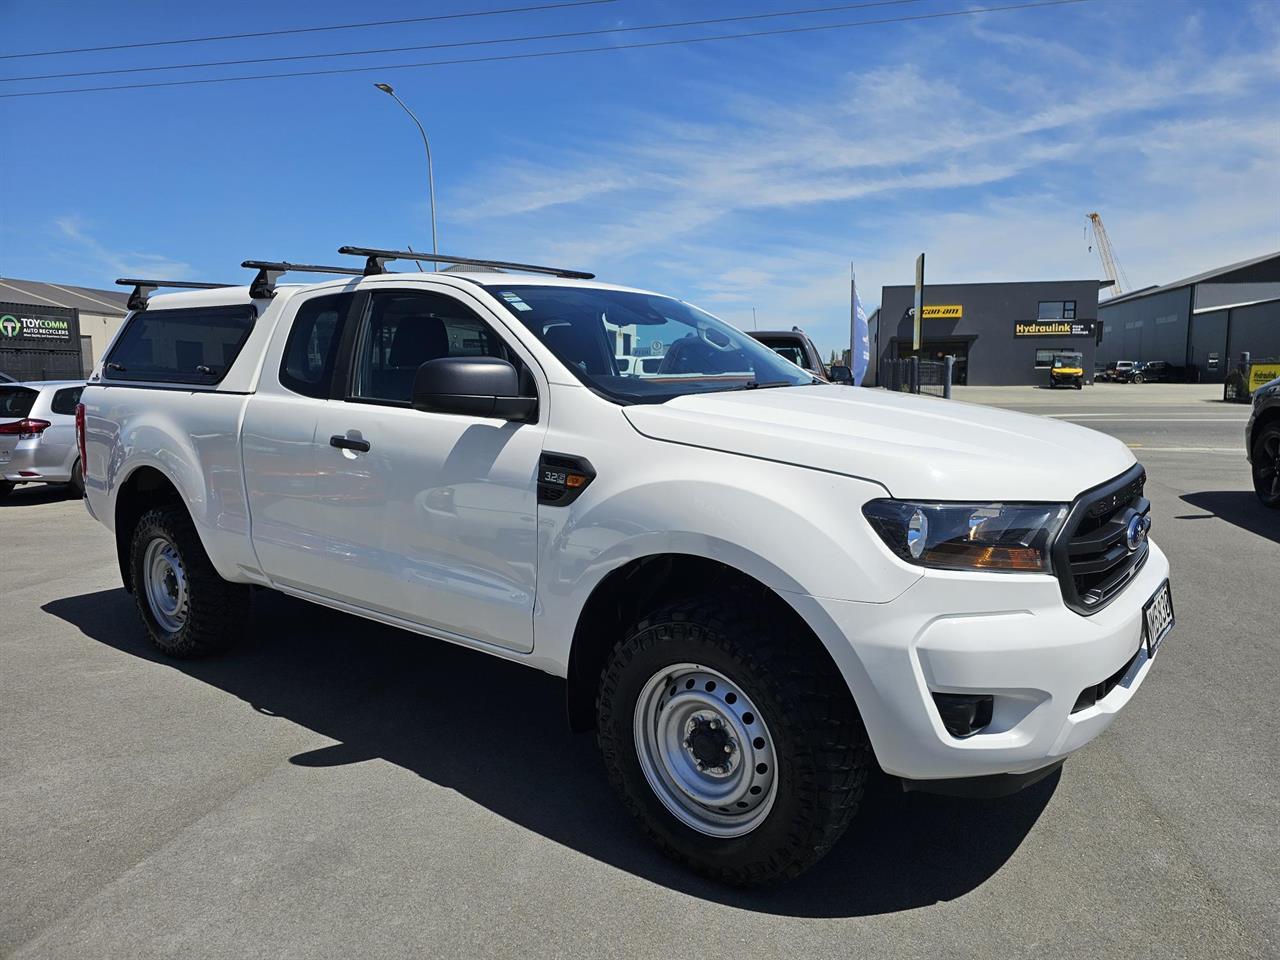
[
  {"x": 1239, "y": 507},
  {"x": 27, "y": 494},
  {"x": 495, "y": 732}
]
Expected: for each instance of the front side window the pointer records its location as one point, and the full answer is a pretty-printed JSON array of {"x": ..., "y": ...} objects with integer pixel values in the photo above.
[
  {"x": 680, "y": 348},
  {"x": 1044, "y": 358},
  {"x": 189, "y": 345},
  {"x": 406, "y": 328},
  {"x": 311, "y": 352}
]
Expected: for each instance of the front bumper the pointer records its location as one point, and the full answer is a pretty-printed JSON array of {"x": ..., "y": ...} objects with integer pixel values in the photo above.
[{"x": 1008, "y": 636}]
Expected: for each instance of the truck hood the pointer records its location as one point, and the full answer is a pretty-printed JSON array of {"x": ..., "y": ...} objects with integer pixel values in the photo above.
[{"x": 916, "y": 447}]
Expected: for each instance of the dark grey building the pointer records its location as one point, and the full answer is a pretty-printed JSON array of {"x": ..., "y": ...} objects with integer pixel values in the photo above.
[
  {"x": 999, "y": 333},
  {"x": 1200, "y": 322}
]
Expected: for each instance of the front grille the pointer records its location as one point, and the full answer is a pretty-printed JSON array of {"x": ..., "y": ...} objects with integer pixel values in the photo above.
[{"x": 1091, "y": 555}]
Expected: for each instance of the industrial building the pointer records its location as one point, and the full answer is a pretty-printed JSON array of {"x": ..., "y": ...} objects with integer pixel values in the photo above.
[
  {"x": 54, "y": 331},
  {"x": 1201, "y": 323},
  {"x": 999, "y": 333}
]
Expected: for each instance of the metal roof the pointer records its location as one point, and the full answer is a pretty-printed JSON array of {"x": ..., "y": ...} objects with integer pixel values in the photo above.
[
  {"x": 1197, "y": 278},
  {"x": 84, "y": 299}
]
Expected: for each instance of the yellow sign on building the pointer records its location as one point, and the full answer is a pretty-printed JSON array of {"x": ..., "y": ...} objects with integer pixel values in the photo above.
[
  {"x": 1262, "y": 373},
  {"x": 938, "y": 311}
]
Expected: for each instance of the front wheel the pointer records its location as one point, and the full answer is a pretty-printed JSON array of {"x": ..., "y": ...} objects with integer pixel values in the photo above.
[
  {"x": 1266, "y": 466},
  {"x": 1139, "y": 378},
  {"x": 740, "y": 752},
  {"x": 189, "y": 610},
  {"x": 6, "y": 488}
]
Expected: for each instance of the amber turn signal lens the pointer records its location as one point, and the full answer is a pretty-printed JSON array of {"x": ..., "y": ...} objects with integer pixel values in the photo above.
[{"x": 575, "y": 480}]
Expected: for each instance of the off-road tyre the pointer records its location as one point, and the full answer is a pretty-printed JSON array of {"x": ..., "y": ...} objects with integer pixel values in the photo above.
[
  {"x": 217, "y": 611},
  {"x": 1266, "y": 465},
  {"x": 821, "y": 745}
]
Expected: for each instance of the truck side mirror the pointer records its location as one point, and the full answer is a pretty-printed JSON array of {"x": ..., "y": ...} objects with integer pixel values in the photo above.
[{"x": 474, "y": 387}]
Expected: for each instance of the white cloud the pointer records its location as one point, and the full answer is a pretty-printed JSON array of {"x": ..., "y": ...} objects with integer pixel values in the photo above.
[
  {"x": 989, "y": 166},
  {"x": 128, "y": 263}
]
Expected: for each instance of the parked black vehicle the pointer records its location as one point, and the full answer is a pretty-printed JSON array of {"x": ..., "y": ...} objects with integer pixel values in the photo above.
[
  {"x": 1158, "y": 371},
  {"x": 1262, "y": 443},
  {"x": 794, "y": 345}
]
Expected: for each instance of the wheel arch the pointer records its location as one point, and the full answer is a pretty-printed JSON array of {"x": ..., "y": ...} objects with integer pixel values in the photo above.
[
  {"x": 621, "y": 596},
  {"x": 144, "y": 488}
]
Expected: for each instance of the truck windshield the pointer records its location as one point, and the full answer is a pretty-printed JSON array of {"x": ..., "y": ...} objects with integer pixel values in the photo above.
[{"x": 680, "y": 348}]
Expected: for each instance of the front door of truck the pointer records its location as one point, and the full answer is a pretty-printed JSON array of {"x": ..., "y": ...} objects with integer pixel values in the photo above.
[{"x": 428, "y": 517}]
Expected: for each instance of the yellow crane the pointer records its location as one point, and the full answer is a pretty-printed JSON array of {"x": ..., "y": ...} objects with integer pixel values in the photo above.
[{"x": 1115, "y": 272}]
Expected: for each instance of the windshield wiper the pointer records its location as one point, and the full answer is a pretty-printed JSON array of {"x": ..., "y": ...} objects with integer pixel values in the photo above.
[{"x": 757, "y": 385}]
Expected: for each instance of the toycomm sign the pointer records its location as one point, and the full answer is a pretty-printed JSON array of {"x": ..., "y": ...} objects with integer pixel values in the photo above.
[{"x": 15, "y": 327}]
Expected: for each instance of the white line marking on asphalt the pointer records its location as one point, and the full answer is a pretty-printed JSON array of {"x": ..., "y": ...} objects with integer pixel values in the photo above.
[{"x": 1138, "y": 446}]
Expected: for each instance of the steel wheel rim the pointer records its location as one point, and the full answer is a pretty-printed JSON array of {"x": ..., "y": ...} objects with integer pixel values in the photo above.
[
  {"x": 165, "y": 580},
  {"x": 689, "y": 717}
]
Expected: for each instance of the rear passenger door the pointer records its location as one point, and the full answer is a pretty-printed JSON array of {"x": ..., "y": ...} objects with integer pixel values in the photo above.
[
  {"x": 57, "y": 452},
  {"x": 282, "y": 473}
]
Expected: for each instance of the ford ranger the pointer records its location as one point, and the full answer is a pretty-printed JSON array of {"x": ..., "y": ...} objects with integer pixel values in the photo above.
[{"x": 757, "y": 587}]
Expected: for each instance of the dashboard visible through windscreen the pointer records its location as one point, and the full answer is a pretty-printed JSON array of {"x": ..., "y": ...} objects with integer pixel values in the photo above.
[{"x": 641, "y": 347}]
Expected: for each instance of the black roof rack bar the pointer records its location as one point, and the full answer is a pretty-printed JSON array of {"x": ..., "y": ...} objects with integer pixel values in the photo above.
[
  {"x": 376, "y": 259},
  {"x": 269, "y": 271},
  {"x": 143, "y": 288}
]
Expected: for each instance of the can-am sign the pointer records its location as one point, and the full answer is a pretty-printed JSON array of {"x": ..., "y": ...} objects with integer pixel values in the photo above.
[{"x": 34, "y": 328}]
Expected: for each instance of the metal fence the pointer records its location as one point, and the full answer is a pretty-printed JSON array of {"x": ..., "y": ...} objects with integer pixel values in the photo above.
[{"x": 914, "y": 375}]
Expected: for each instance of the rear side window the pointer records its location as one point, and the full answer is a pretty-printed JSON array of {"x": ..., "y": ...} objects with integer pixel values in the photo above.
[
  {"x": 311, "y": 352},
  {"x": 16, "y": 402},
  {"x": 64, "y": 401},
  {"x": 194, "y": 345}
]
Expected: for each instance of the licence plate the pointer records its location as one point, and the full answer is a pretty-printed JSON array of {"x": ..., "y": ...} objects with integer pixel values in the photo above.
[
  {"x": 1158, "y": 617},
  {"x": 4, "y": 456}
]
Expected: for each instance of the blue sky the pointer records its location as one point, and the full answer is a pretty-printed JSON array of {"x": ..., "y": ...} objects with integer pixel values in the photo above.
[{"x": 735, "y": 174}]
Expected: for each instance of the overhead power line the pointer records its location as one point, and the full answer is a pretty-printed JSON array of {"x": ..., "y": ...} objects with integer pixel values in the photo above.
[
  {"x": 468, "y": 43},
  {"x": 542, "y": 54},
  {"x": 295, "y": 30}
]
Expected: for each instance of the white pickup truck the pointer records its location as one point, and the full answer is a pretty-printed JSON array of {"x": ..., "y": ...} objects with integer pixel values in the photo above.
[{"x": 757, "y": 586}]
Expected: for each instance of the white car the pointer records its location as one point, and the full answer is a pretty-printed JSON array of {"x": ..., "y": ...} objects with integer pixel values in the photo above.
[
  {"x": 757, "y": 588},
  {"x": 38, "y": 434}
]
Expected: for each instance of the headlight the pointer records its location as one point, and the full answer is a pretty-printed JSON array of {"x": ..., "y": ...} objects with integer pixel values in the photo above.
[{"x": 969, "y": 536}]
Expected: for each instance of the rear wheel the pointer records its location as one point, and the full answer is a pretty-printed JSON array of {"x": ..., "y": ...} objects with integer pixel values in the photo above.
[
  {"x": 76, "y": 485},
  {"x": 6, "y": 488},
  {"x": 1266, "y": 466},
  {"x": 740, "y": 753},
  {"x": 189, "y": 610}
]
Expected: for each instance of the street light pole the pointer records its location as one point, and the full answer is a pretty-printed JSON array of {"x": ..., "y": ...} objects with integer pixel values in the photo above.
[{"x": 431, "y": 180}]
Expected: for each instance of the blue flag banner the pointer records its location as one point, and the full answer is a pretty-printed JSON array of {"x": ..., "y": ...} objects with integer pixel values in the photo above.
[{"x": 860, "y": 341}]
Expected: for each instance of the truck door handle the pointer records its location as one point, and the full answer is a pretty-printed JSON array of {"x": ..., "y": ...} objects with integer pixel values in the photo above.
[{"x": 346, "y": 443}]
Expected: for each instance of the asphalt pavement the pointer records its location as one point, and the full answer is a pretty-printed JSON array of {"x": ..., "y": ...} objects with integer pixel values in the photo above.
[{"x": 338, "y": 789}]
